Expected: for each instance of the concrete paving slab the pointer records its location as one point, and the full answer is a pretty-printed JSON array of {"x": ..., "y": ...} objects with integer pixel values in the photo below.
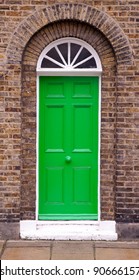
[
  {"x": 2, "y": 242},
  {"x": 117, "y": 244},
  {"x": 71, "y": 247},
  {"x": 116, "y": 254},
  {"x": 69, "y": 250},
  {"x": 30, "y": 253},
  {"x": 73, "y": 250},
  {"x": 27, "y": 243},
  {"x": 60, "y": 256}
]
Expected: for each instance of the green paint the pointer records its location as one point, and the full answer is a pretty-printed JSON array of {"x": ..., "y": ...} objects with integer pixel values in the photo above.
[{"x": 68, "y": 148}]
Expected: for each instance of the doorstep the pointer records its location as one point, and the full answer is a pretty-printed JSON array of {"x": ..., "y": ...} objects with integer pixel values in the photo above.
[{"x": 68, "y": 230}]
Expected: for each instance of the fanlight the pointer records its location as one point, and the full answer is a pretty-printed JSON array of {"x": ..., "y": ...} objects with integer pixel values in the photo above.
[{"x": 69, "y": 54}]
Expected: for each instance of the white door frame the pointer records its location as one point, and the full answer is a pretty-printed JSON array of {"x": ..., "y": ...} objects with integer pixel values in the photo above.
[
  {"x": 70, "y": 73},
  {"x": 68, "y": 70}
]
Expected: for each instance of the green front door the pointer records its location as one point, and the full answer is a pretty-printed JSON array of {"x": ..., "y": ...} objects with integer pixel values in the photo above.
[{"x": 68, "y": 148}]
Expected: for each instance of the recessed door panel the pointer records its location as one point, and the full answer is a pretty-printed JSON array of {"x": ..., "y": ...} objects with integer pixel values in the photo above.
[
  {"x": 54, "y": 186},
  {"x": 82, "y": 128},
  {"x": 68, "y": 148},
  {"x": 82, "y": 185},
  {"x": 54, "y": 128},
  {"x": 82, "y": 90},
  {"x": 55, "y": 90}
]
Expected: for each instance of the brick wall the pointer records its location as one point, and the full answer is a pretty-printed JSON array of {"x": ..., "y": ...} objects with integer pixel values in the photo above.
[{"x": 111, "y": 27}]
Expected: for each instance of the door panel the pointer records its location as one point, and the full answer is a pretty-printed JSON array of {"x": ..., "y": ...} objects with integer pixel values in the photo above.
[
  {"x": 82, "y": 185},
  {"x": 68, "y": 148},
  {"x": 54, "y": 180},
  {"x": 82, "y": 90},
  {"x": 82, "y": 128},
  {"x": 54, "y": 124}
]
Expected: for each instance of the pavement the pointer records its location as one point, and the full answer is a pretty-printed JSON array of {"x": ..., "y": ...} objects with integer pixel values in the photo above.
[{"x": 68, "y": 250}]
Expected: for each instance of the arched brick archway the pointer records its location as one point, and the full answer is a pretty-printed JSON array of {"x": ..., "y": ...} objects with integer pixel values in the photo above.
[
  {"x": 115, "y": 53},
  {"x": 80, "y": 12},
  {"x": 31, "y": 54}
]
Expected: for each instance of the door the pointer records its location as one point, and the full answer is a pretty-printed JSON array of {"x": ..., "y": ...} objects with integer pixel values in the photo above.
[{"x": 68, "y": 148}]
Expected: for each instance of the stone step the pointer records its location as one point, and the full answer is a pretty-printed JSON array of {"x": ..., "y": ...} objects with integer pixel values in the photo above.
[{"x": 72, "y": 230}]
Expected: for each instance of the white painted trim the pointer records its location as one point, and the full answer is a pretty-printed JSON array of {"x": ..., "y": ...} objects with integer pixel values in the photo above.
[
  {"x": 37, "y": 149},
  {"x": 68, "y": 72},
  {"x": 99, "y": 147},
  {"x": 57, "y": 49},
  {"x": 79, "y": 51},
  {"x": 83, "y": 61},
  {"x": 69, "y": 49},
  {"x": 72, "y": 230},
  {"x": 53, "y": 60}
]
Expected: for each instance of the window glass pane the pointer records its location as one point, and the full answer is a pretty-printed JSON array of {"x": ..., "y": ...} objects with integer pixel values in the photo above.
[
  {"x": 64, "y": 51},
  {"x": 53, "y": 54},
  {"x": 84, "y": 54},
  {"x": 74, "y": 50},
  {"x": 88, "y": 64},
  {"x": 49, "y": 64}
]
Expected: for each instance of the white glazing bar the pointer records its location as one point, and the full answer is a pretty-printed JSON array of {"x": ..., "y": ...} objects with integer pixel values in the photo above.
[
  {"x": 69, "y": 55},
  {"x": 76, "y": 56},
  {"x": 54, "y": 61},
  {"x": 83, "y": 61},
  {"x": 61, "y": 56}
]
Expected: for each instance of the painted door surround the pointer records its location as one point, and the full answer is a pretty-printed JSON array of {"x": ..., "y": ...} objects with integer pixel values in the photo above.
[{"x": 87, "y": 229}]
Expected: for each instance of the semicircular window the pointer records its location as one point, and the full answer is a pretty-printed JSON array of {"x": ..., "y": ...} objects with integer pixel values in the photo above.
[{"x": 68, "y": 54}]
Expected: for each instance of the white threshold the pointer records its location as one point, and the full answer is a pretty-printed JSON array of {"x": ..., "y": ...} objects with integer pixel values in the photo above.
[{"x": 68, "y": 230}]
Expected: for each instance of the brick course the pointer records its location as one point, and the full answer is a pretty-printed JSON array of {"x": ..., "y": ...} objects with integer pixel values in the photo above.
[{"x": 111, "y": 27}]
